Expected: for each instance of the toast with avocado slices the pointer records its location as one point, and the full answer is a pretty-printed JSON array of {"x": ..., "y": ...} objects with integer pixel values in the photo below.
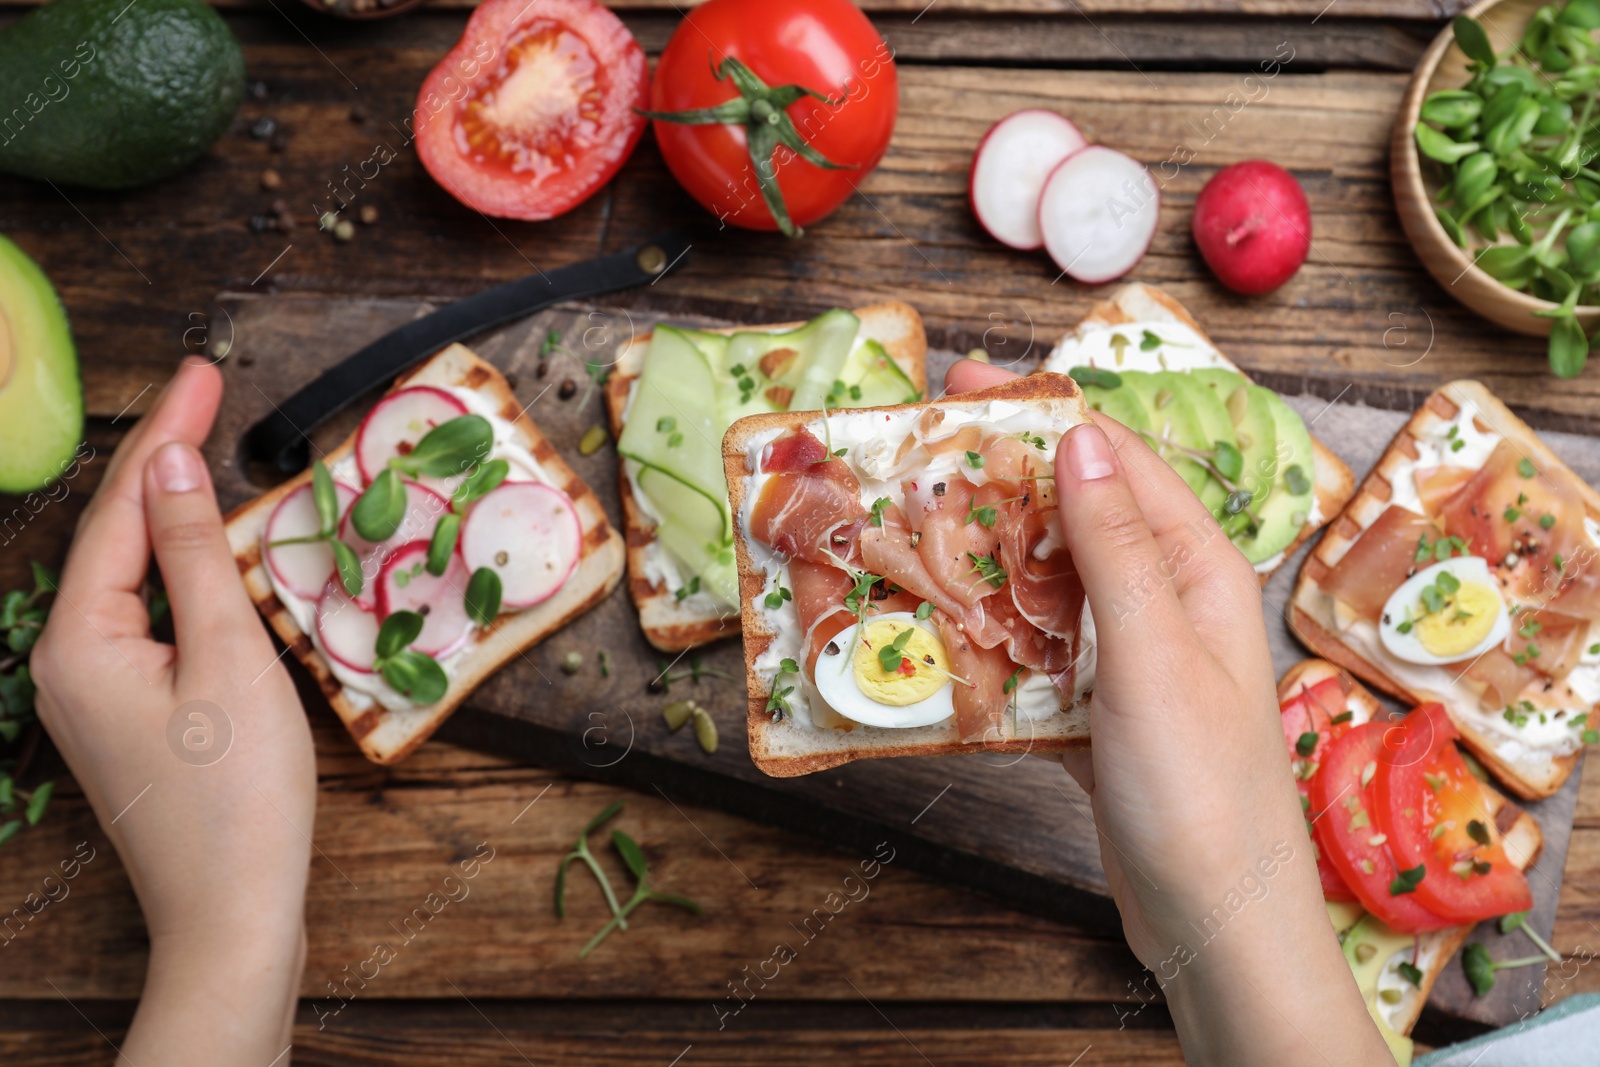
[
  {"x": 1466, "y": 570},
  {"x": 671, "y": 396},
  {"x": 904, "y": 589},
  {"x": 514, "y": 508},
  {"x": 1143, "y": 360},
  {"x": 1372, "y": 949}
]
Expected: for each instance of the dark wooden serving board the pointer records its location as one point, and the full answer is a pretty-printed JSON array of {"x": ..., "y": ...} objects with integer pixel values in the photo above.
[{"x": 1013, "y": 827}]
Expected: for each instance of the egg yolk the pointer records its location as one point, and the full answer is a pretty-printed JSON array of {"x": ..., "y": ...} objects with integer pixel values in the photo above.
[
  {"x": 1466, "y": 619},
  {"x": 924, "y": 666}
]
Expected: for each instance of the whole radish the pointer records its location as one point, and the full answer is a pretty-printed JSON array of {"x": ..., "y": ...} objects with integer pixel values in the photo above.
[{"x": 1253, "y": 226}]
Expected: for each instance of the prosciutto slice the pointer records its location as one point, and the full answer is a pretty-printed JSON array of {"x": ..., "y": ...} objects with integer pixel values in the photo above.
[
  {"x": 1382, "y": 558},
  {"x": 980, "y": 698},
  {"x": 1514, "y": 508},
  {"x": 951, "y": 537},
  {"x": 1502, "y": 677},
  {"x": 807, "y": 510},
  {"x": 1047, "y": 592},
  {"x": 1549, "y": 642}
]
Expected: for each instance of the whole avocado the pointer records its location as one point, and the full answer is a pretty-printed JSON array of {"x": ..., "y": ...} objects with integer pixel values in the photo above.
[{"x": 111, "y": 94}]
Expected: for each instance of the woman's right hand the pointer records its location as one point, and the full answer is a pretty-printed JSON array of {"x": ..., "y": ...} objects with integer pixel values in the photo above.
[{"x": 1202, "y": 835}]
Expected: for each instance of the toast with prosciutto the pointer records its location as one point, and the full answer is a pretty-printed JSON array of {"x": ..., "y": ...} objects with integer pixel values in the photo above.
[
  {"x": 1385, "y": 799},
  {"x": 905, "y": 589},
  {"x": 671, "y": 396},
  {"x": 440, "y": 540},
  {"x": 1143, "y": 360},
  {"x": 1466, "y": 571}
]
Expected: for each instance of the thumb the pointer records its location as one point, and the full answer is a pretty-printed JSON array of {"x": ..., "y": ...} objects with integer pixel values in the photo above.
[
  {"x": 1112, "y": 545},
  {"x": 210, "y": 609}
]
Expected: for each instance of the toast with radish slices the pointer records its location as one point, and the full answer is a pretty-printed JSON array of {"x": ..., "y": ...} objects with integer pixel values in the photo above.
[
  {"x": 1468, "y": 486},
  {"x": 672, "y": 616},
  {"x": 1429, "y": 952},
  {"x": 904, "y": 592},
  {"x": 539, "y": 527},
  {"x": 1154, "y": 339}
]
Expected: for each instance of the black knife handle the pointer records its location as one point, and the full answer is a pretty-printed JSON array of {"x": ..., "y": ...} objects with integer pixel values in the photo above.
[{"x": 282, "y": 438}]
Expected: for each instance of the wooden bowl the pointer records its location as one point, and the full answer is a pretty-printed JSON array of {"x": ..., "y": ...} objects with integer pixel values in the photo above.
[{"x": 1444, "y": 66}]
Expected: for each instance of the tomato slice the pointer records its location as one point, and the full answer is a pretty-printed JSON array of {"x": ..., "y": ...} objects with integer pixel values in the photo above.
[
  {"x": 1312, "y": 711},
  {"x": 1433, "y": 810},
  {"x": 533, "y": 110},
  {"x": 1342, "y": 807}
]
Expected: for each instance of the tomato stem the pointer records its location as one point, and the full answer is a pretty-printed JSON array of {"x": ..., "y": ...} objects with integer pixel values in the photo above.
[{"x": 762, "y": 110}]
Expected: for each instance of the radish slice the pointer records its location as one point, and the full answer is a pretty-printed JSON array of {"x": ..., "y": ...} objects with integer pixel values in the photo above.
[
  {"x": 301, "y": 569},
  {"x": 406, "y": 585},
  {"x": 398, "y": 421},
  {"x": 529, "y": 534},
  {"x": 1009, "y": 169},
  {"x": 347, "y": 631},
  {"x": 1098, "y": 213},
  {"x": 424, "y": 508}
]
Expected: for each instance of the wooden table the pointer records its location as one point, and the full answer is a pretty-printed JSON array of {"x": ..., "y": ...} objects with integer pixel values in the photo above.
[{"x": 917, "y": 972}]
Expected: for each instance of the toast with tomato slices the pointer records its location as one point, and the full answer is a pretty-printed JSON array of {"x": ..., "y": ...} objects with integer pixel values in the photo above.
[
  {"x": 783, "y": 744},
  {"x": 1332, "y": 481},
  {"x": 1474, "y": 692},
  {"x": 1519, "y": 833},
  {"x": 387, "y": 735},
  {"x": 672, "y": 623}
]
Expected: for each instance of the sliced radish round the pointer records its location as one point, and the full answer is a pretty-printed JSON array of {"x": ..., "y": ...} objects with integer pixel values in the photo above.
[
  {"x": 301, "y": 569},
  {"x": 529, "y": 534},
  {"x": 1098, "y": 213},
  {"x": 406, "y": 585},
  {"x": 1009, "y": 169},
  {"x": 424, "y": 508},
  {"x": 398, "y": 421},
  {"x": 347, "y": 631}
]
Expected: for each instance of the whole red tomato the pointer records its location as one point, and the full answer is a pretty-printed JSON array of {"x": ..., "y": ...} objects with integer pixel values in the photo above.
[{"x": 765, "y": 52}]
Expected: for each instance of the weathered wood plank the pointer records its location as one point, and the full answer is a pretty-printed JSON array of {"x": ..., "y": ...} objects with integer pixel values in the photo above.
[{"x": 1340, "y": 322}]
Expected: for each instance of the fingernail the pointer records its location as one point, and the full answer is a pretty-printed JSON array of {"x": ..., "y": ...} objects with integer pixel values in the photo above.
[
  {"x": 1089, "y": 456},
  {"x": 177, "y": 468}
]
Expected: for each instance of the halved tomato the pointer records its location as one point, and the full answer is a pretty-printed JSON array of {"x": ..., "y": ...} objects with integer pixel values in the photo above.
[
  {"x": 533, "y": 110},
  {"x": 1342, "y": 809},
  {"x": 1433, "y": 811},
  {"x": 1309, "y": 729}
]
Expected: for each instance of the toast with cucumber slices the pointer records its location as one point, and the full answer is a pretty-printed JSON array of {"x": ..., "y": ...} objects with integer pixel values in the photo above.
[
  {"x": 1374, "y": 950},
  {"x": 1466, "y": 571},
  {"x": 671, "y": 396},
  {"x": 377, "y": 575},
  {"x": 904, "y": 589},
  {"x": 1143, "y": 360}
]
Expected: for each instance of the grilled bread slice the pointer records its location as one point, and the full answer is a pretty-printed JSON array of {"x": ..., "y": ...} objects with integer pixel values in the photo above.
[
  {"x": 671, "y": 624},
  {"x": 388, "y": 735}
]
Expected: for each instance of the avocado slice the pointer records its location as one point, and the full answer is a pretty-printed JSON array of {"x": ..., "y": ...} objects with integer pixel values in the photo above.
[
  {"x": 1121, "y": 403},
  {"x": 1171, "y": 419},
  {"x": 41, "y": 398},
  {"x": 1343, "y": 915},
  {"x": 1367, "y": 948},
  {"x": 112, "y": 95},
  {"x": 1284, "y": 512},
  {"x": 1214, "y": 424}
]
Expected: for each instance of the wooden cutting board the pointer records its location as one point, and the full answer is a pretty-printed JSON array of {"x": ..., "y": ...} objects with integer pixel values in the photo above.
[{"x": 1013, "y": 827}]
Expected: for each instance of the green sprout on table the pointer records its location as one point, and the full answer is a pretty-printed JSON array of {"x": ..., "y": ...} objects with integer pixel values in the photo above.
[
  {"x": 633, "y": 856},
  {"x": 22, "y": 619},
  {"x": 1481, "y": 967}
]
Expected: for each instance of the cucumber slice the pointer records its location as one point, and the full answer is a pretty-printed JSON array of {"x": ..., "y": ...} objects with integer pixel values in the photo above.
[
  {"x": 820, "y": 349},
  {"x": 710, "y": 560},
  {"x": 876, "y": 378},
  {"x": 670, "y": 425}
]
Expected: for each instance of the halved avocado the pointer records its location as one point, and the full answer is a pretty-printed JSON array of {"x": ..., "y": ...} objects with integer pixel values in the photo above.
[
  {"x": 41, "y": 397},
  {"x": 1284, "y": 512},
  {"x": 1214, "y": 424},
  {"x": 1172, "y": 419},
  {"x": 1121, "y": 403}
]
